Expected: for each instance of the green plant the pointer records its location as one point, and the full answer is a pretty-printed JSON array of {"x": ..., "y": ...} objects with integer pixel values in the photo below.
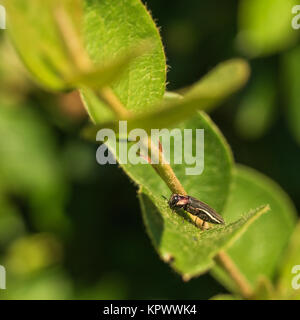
[{"x": 112, "y": 53}]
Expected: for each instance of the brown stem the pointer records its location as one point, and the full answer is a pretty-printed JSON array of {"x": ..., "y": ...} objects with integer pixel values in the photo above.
[
  {"x": 166, "y": 172},
  {"x": 82, "y": 61},
  {"x": 241, "y": 282}
]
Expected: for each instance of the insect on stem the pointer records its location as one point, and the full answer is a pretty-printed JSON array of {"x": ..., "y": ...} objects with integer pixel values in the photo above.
[{"x": 196, "y": 208}]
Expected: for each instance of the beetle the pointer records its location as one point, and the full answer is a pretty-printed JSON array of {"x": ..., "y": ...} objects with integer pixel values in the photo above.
[{"x": 195, "y": 207}]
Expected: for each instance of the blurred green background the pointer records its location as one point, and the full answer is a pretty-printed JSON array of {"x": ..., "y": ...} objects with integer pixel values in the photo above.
[{"x": 70, "y": 228}]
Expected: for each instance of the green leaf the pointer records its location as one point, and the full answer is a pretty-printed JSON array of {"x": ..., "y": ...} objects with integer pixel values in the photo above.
[
  {"x": 210, "y": 91},
  {"x": 212, "y": 186},
  {"x": 49, "y": 57},
  {"x": 265, "y": 26},
  {"x": 256, "y": 112},
  {"x": 290, "y": 269},
  {"x": 188, "y": 250},
  {"x": 258, "y": 251},
  {"x": 96, "y": 109},
  {"x": 106, "y": 74},
  {"x": 35, "y": 34},
  {"x": 109, "y": 27},
  {"x": 291, "y": 71}
]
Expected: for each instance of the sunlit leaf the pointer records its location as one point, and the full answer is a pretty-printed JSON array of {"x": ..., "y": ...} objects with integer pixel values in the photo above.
[
  {"x": 110, "y": 26},
  {"x": 188, "y": 250},
  {"x": 210, "y": 91},
  {"x": 32, "y": 25}
]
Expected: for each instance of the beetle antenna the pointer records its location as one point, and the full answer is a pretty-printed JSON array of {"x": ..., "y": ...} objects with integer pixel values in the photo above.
[{"x": 165, "y": 198}]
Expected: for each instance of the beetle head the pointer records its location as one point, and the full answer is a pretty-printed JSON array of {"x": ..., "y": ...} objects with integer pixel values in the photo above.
[{"x": 177, "y": 201}]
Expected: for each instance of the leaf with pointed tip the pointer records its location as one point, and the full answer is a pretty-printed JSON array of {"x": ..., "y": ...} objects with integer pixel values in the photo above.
[
  {"x": 189, "y": 250},
  {"x": 212, "y": 187}
]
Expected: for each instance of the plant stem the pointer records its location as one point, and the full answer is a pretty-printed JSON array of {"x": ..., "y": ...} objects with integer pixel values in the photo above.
[
  {"x": 83, "y": 63},
  {"x": 72, "y": 40},
  {"x": 165, "y": 171},
  {"x": 241, "y": 282},
  {"x": 108, "y": 96},
  {"x": 163, "y": 168},
  {"x": 168, "y": 175}
]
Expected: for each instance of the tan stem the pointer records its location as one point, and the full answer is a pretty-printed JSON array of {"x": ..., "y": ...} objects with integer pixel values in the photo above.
[
  {"x": 166, "y": 172},
  {"x": 109, "y": 97},
  {"x": 72, "y": 40},
  {"x": 241, "y": 282},
  {"x": 82, "y": 61}
]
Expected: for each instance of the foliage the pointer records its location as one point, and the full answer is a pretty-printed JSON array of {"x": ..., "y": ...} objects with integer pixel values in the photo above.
[{"x": 112, "y": 53}]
